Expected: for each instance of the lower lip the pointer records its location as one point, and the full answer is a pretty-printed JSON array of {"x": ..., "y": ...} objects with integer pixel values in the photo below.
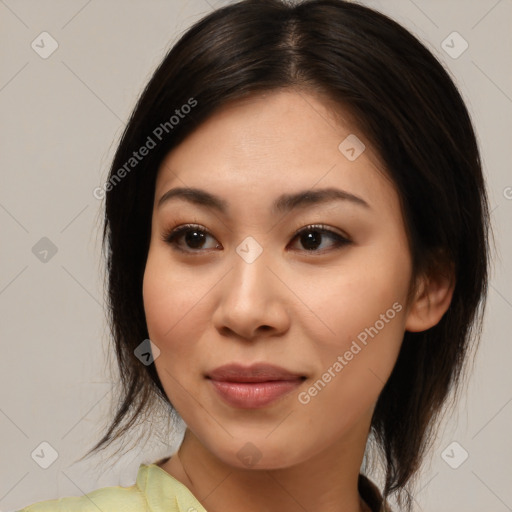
[{"x": 252, "y": 395}]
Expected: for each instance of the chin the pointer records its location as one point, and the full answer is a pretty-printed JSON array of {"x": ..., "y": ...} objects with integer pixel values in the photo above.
[{"x": 261, "y": 454}]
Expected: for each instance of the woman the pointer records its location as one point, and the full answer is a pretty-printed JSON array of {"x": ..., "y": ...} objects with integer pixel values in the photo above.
[{"x": 296, "y": 218}]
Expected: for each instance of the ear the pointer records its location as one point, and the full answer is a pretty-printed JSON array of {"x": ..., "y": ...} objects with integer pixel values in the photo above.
[{"x": 433, "y": 297}]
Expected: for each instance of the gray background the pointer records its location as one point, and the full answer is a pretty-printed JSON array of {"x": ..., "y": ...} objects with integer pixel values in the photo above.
[{"x": 61, "y": 117}]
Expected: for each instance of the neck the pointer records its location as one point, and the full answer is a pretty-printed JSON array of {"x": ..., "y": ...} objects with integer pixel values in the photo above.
[{"x": 326, "y": 482}]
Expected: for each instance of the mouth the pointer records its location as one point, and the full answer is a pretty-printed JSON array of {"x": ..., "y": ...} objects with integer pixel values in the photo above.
[{"x": 255, "y": 386}]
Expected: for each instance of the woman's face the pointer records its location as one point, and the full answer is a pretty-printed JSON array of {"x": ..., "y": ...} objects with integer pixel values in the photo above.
[{"x": 252, "y": 283}]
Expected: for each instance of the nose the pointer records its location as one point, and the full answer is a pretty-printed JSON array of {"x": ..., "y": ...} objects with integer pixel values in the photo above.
[{"x": 253, "y": 300}]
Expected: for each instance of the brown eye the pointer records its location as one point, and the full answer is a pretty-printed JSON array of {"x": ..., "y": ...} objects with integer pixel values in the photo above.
[
  {"x": 312, "y": 237},
  {"x": 193, "y": 236}
]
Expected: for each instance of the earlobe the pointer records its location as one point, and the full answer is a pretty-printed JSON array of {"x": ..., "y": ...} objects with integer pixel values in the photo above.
[{"x": 432, "y": 300}]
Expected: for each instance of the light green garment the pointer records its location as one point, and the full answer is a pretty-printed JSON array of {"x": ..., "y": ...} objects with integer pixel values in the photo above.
[{"x": 155, "y": 490}]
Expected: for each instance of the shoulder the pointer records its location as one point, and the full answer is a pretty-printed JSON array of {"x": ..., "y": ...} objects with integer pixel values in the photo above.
[
  {"x": 155, "y": 490},
  {"x": 106, "y": 499}
]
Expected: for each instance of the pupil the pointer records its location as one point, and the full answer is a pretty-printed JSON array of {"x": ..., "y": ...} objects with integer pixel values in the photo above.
[
  {"x": 194, "y": 242},
  {"x": 311, "y": 240}
]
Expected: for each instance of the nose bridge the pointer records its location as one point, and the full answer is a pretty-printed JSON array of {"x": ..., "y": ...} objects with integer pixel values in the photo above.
[
  {"x": 251, "y": 296},
  {"x": 251, "y": 277}
]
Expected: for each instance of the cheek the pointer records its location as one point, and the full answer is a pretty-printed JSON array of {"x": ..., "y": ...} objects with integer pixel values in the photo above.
[
  {"x": 170, "y": 305},
  {"x": 363, "y": 305},
  {"x": 355, "y": 366},
  {"x": 178, "y": 311},
  {"x": 354, "y": 297},
  {"x": 172, "y": 309}
]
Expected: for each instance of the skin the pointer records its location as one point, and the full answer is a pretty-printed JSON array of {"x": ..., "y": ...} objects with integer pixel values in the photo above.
[{"x": 291, "y": 307}]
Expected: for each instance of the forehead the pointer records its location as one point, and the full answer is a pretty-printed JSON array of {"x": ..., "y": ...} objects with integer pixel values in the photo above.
[{"x": 275, "y": 141}]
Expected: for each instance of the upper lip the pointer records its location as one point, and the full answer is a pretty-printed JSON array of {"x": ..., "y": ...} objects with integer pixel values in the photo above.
[{"x": 260, "y": 372}]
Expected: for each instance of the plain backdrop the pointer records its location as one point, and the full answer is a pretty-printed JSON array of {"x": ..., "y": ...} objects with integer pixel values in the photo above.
[{"x": 61, "y": 116}]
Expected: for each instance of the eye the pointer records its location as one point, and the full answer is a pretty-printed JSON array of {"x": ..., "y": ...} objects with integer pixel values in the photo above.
[
  {"x": 194, "y": 237},
  {"x": 311, "y": 237}
]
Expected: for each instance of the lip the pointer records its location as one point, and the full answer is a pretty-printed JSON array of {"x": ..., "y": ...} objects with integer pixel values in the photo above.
[{"x": 255, "y": 386}]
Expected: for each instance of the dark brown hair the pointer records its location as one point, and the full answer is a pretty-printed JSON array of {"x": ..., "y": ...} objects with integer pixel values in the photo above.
[{"x": 409, "y": 110}]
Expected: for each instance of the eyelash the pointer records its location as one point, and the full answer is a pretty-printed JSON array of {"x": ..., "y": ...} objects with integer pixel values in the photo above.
[{"x": 170, "y": 236}]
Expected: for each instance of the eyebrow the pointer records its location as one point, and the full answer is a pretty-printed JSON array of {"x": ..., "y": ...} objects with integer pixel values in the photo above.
[{"x": 283, "y": 204}]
